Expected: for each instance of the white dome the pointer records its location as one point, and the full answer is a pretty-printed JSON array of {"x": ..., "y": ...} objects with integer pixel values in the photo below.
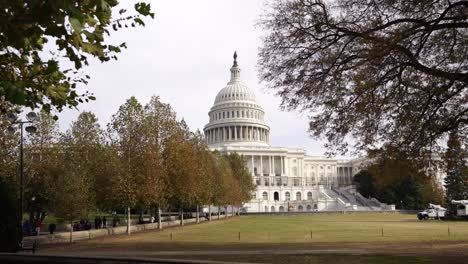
[
  {"x": 236, "y": 118},
  {"x": 235, "y": 91}
]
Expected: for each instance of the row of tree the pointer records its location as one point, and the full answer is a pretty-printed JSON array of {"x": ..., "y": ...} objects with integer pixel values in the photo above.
[
  {"x": 410, "y": 183},
  {"x": 145, "y": 159},
  {"x": 393, "y": 177}
]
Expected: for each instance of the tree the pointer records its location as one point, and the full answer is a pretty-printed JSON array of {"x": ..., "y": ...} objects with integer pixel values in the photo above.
[
  {"x": 75, "y": 189},
  {"x": 365, "y": 183},
  {"x": 8, "y": 148},
  {"x": 44, "y": 165},
  {"x": 180, "y": 161},
  {"x": 125, "y": 131},
  {"x": 379, "y": 71},
  {"x": 243, "y": 177},
  {"x": 76, "y": 30},
  {"x": 160, "y": 124},
  {"x": 395, "y": 178},
  {"x": 221, "y": 181},
  {"x": 456, "y": 181}
]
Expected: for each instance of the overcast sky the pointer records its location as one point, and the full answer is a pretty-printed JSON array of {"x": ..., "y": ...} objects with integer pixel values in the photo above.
[{"x": 184, "y": 56}]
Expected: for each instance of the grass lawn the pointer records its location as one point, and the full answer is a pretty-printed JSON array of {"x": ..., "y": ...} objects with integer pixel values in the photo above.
[
  {"x": 335, "y": 238},
  {"x": 324, "y": 228}
]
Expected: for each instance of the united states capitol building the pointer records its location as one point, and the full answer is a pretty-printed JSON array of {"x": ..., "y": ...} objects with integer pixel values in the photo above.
[{"x": 286, "y": 179}]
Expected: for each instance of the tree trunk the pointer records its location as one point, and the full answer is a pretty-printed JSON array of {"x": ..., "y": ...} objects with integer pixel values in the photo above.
[
  {"x": 226, "y": 212},
  {"x": 181, "y": 216},
  {"x": 159, "y": 217},
  {"x": 128, "y": 220},
  {"x": 219, "y": 212},
  {"x": 71, "y": 231},
  {"x": 198, "y": 214},
  {"x": 209, "y": 212}
]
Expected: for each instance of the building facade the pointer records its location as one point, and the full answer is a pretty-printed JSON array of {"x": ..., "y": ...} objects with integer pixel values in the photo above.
[{"x": 286, "y": 179}]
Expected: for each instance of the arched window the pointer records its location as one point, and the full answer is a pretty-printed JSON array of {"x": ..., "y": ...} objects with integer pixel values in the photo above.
[
  {"x": 266, "y": 208},
  {"x": 272, "y": 209},
  {"x": 309, "y": 196},
  {"x": 276, "y": 196},
  {"x": 309, "y": 207},
  {"x": 281, "y": 208},
  {"x": 300, "y": 208},
  {"x": 298, "y": 196},
  {"x": 287, "y": 196},
  {"x": 265, "y": 196}
]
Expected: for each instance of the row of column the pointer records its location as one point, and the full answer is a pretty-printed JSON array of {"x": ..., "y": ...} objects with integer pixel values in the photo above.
[
  {"x": 345, "y": 175},
  {"x": 232, "y": 133},
  {"x": 267, "y": 168}
]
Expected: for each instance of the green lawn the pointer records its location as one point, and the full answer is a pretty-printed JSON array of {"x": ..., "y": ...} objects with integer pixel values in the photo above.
[
  {"x": 336, "y": 238},
  {"x": 324, "y": 228}
]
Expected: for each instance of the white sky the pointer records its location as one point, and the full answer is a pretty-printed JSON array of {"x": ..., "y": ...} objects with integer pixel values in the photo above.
[{"x": 184, "y": 56}]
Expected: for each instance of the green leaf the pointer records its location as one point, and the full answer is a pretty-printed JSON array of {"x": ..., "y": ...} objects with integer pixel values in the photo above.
[
  {"x": 139, "y": 21},
  {"x": 76, "y": 24}
]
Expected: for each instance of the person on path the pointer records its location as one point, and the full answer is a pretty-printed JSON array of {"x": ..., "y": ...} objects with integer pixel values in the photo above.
[
  {"x": 38, "y": 226},
  {"x": 104, "y": 222}
]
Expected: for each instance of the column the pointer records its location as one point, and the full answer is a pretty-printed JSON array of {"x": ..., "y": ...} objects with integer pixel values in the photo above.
[
  {"x": 253, "y": 166},
  {"x": 282, "y": 165},
  {"x": 273, "y": 165},
  {"x": 261, "y": 165}
]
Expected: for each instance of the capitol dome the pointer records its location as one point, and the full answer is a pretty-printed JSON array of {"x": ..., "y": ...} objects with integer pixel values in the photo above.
[{"x": 236, "y": 118}]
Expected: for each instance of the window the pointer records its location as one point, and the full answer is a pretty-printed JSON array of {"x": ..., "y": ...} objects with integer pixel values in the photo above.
[
  {"x": 309, "y": 196},
  {"x": 276, "y": 196},
  {"x": 265, "y": 196},
  {"x": 287, "y": 196},
  {"x": 254, "y": 196},
  {"x": 298, "y": 196},
  {"x": 227, "y": 114},
  {"x": 297, "y": 182}
]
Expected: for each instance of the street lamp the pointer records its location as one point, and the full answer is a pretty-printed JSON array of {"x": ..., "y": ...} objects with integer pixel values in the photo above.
[{"x": 30, "y": 118}]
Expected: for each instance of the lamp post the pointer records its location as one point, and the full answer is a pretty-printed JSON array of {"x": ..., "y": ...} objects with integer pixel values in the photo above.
[{"x": 30, "y": 118}]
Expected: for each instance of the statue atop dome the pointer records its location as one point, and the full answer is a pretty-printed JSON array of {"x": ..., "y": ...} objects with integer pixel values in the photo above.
[{"x": 235, "y": 59}]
